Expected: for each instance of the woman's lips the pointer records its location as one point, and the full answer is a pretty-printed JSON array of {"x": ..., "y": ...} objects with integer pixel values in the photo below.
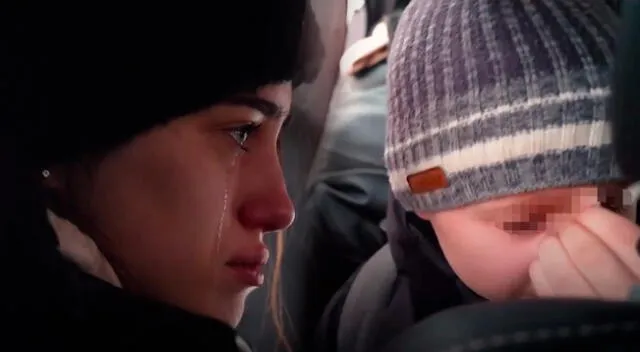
[
  {"x": 248, "y": 274},
  {"x": 248, "y": 266}
]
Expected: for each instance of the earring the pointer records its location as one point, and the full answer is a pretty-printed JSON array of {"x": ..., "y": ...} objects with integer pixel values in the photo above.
[{"x": 46, "y": 173}]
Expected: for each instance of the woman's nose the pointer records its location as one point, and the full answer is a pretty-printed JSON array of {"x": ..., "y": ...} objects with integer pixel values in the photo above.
[{"x": 266, "y": 204}]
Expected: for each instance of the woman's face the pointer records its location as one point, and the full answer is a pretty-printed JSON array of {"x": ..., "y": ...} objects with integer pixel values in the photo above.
[{"x": 181, "y": 211}]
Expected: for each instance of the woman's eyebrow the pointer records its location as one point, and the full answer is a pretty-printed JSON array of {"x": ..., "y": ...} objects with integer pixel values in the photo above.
[{"x": 266, "y": 107}]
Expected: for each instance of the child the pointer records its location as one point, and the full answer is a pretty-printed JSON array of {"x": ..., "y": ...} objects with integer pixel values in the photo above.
[
  {"x": 497, "y": 136},
  {"x": 497, "y": 148}
]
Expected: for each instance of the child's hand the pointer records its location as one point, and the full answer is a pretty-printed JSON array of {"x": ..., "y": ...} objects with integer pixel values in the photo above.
[{"x": 594, "y": 257}]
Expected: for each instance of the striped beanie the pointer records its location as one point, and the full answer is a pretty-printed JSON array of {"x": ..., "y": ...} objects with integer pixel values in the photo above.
[{"x": 491, "y": 98}]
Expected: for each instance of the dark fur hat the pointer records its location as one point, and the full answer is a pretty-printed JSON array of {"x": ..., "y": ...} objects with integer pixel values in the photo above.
[{"x": 82, "y": 81}]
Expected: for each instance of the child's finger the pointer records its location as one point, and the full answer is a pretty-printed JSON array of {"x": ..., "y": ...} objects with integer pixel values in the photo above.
[
  {"x": 617, "y": 233},
  {"x": 538, "y": 280},
  {"x": 559, "y": 271},
  {"x": 608, "y": 276}
]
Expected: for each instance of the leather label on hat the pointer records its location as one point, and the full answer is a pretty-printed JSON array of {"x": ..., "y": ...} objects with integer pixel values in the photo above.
[{"x": 428, "y": 180}]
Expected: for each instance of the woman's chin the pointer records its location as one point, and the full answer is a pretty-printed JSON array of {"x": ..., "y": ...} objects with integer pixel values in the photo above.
[
  {"x": 232, "y": 310},
  {"x": 230, "y": 315}
]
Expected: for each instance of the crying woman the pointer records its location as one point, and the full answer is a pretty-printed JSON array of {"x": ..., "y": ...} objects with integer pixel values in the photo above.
[{"x": 141, "y": 172}]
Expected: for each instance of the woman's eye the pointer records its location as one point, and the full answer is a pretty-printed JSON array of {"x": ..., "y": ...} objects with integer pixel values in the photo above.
[{"x": 242, "y": 133}]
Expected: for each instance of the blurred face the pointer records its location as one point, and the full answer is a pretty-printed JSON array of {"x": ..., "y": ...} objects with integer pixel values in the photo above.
[
  {"x": 180, "y": 212},
  {"x": 491, "y": 245}
]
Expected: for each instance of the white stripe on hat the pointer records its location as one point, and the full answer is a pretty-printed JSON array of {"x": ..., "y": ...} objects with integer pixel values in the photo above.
[
  {"x": 592, "y": 94},
  {"x": 512, "y": 147}
]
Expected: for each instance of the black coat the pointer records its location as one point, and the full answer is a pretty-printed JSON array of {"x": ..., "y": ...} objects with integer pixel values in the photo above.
[
  {"x": 425, "y": 283},
  {"x": 48, "y": 302}
]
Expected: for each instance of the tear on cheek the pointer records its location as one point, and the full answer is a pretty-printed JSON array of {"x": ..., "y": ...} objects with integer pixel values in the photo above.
[{"x": 227, "y": 184}]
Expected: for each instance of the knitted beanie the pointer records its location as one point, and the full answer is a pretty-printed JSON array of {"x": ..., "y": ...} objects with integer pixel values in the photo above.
[{"x": 491, "y": 98}]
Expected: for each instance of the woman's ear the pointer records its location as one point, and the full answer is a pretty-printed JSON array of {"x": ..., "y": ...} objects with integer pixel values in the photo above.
[
  {"x": 53, "y": 178},
  {"x": 55, "y": 185}
]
